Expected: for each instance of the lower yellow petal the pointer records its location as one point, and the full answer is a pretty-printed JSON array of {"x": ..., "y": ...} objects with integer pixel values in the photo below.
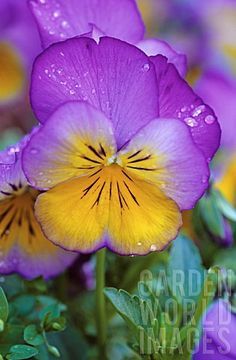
[
  {"x": 110, "y": 207},
  {"x": 19, "y": 227}
]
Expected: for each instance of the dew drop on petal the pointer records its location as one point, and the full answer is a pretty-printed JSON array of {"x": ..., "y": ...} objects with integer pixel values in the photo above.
[
  {"x": 198, "y": 110},
  {"x": 139, "y": 243},
  {"x": 153, "y": 248},
  {"x": 65, "y": 24},
  {"x": 56, "y": 13},
  {"x": 209, "y": 119},
  {"x": 191, "y": 122},
  {"x": 204, "y": 179},
  {"x": 146, "y": 67},
  {"x": 33, "y": 151},
  {"x": 72, "y": 92}
]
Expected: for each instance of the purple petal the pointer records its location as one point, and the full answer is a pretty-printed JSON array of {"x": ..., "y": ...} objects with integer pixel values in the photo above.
[
  {"x": 24, "y": 249},
  {"x": 30, "y": 266},
  {"x": 219, "y": 329},
  {"x": 153, "y": 47},
  {"x": 177, "y": 100},
  {"x": 220, "y": 93},
  {"x": 176, "y": 165},
  {"x": 20, "y": 32},
  {"x": 59, "y": 20},
  {"x": 113, "y": 76},
  {"x": 60, "y": 149}
]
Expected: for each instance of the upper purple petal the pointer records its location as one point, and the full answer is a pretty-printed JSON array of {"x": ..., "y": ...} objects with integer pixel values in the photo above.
[
  {"x": 220, "y": 93},
  {"x": 177, "y": 100},
  {"x": 59, "y": 19},
  {"x": 113, "y": 76},
  {"x": 153, "y": 47}
]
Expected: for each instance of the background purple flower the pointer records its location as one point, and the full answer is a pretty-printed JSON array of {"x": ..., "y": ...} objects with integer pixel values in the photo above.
[{"x": 217, "y": 342}]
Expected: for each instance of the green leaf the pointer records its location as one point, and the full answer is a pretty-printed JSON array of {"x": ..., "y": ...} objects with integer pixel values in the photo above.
[
  {"x": 226, "y": 208},
  {"x": 212, "y": 215},
  {"x": 20, "y": 352},
  {"x": 24, "y": 304},
  {"x": 32, "y": 336},
  {"x": 207, "y": 295},
  {"x": 185, "y": 270},
  {"x": 132, "y": 309},
  {"x": 225, "y": 258},
  {"x": 117, "y": 349},
  {"x": 4, "y": 309}
]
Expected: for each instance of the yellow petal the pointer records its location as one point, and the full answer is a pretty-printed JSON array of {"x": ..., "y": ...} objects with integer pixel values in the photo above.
[
  {"x": 110, "y": 207},
  {"x": 18, "y": 226}
]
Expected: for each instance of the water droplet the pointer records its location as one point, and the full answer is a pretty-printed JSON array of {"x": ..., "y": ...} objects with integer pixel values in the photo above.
[
  {"x": 56, "y": 13},
  {"x": 184, "y": 109},
  {"x": 139, "y": 243},
  {"x": 65, "y": 24},
  {"x": 153, "y": 248},
  {"x": 49, "y": 181},
  {"x": 93, "y": 91},
  {"x": 46, "y": 71},
  {"x": 198, "y": 110},
  {"x": 41, "y": 173},
  {"x": 42, "y": 2},
  {"x": 204, "y": 179},
  {"x": 62, "y": 53},
  {"x": 146, "y": 67},
  {"x": 72, "y": 92},
  {"x": 191, "y": 122},
  {"x": 209, "y": 119},
  {"x": 33, "y": 151}
]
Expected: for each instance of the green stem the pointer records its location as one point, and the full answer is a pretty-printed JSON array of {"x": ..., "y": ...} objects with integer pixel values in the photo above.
[{"x": 100, "y": 302}]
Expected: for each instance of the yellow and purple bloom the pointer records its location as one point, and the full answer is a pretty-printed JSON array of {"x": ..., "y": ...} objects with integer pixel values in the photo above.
[
  {"x": 123, "y": 148},
  {"x": 19, "y": 45},
  {"x": 59, "y": 20},
  {"x": 23, "y": 247}
]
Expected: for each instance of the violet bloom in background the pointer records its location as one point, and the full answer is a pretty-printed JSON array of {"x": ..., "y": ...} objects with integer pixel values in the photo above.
[
  {"x": 59, "y": 20},
  {"x": 219, "y": 91},
  {"x": 19, "y": 45},
  {"x": 190, "y": 25},
  {"x": 218, "y": 339},
  {"x": 123, "y": 131},
  {"x": 24, "y": 249}
]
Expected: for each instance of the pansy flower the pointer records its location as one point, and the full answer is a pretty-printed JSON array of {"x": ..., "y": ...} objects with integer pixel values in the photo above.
[
  {"x": 123, "y": 149},
  {"x": 19, "y": 45},
  {"x": 59, "y": 20},
  {"x": 23, "y": 247},
  {"x": 217, "y": 341}
]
